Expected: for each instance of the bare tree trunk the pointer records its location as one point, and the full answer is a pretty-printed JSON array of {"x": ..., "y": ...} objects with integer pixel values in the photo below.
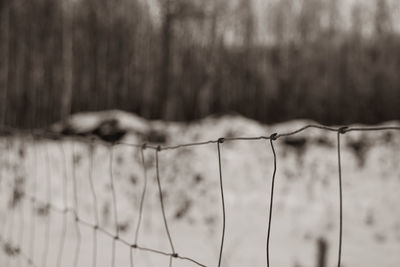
[
  {"x": 66, "y": 101},
  {"x": 207, "y": 93},
  {"x": 4, "y": 41},
  {"x": 166, "y": 44}
]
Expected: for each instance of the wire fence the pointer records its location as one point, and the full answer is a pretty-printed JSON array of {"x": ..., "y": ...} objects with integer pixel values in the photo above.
[{"x": 12, "y": 246}]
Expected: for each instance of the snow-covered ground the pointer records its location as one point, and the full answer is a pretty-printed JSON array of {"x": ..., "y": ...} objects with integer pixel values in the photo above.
[{"x": 306, "y": 203}]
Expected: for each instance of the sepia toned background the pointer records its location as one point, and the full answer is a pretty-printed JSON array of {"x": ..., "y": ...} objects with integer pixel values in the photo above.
[
  {"x": 333, "y": 61},
  {"x": 132, "y": 130}
]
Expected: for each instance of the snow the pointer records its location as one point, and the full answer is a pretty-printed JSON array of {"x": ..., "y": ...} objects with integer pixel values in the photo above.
[
  {"x": 306, "y": 203},
  {"x": 88, "y": 121}
]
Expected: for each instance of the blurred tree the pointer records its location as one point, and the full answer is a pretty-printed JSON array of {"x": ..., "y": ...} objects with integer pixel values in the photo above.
[
  {"x": 383, "y": 20},
  {"x": 166, "y": 43},
  {"x": 357, "y": 22},
  {"x": 173, "y": 11},
  {"x": 4, "y": 56},
  {"x": 194, "y": 58},
  {"x": 308, "y": 24},
  {"x": 333, "y": 18},
  {"x": 67, "y": 41}
]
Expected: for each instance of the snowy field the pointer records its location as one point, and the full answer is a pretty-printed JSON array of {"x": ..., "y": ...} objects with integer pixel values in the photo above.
[{"x": 306, "y": 201}]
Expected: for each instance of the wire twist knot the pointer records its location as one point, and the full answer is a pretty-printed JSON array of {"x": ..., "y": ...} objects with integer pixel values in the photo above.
[
  {"x": 274, "y": 136},
  {"x": 342, "y": 130}
]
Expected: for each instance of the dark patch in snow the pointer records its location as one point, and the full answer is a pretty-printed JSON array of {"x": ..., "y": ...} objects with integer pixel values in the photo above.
[
  {"x": 322, "y": 249},
  {"x": 10, "y": 250},
  {"x": 370, "y": 219},
  {"x": 21, "y": 152},
  {"x": 77, "y": 159},
  {"x": 299, "y": 143},
  {"x": 156, "y": 136},
  {"x": 133, "y": 179},
  {"x": 183, "y": 209},
  {"x": 123, "y": 227},
  {"x": 289, "y": 174},
  {"x": 209, "y": 220},
  {"x": 359, "y": 148},
  {"x": 388, "y": 137},
  {"x": 380, "y": 237},
  {"x": 43, "y": 210},
  {"x": 230, "y": 133},
  {"x": 18, "y": 192},
  {"x": 106, "y": 212},
  {"x": 324, "y": 142},
  {"x": 198, "y": 178},
  {"x": 119, "y": 159}
]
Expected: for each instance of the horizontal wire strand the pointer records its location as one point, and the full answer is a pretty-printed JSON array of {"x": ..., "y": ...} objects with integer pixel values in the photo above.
[{"x": 93, "y": 138}]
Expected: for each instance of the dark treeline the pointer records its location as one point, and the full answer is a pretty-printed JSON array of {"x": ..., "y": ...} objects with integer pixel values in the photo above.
[{"x": 175, "y": 61}]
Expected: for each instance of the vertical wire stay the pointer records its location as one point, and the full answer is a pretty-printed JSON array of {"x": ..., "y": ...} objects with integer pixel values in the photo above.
[
  {"x": 65, "y": 204},
  {"x": 220, "y": 141},
  {"x": 271, "y": 140},
  {"x": 47, "y": 208},
  {"x": 75, "y": 205},
  {"x": 342, "y": 130},
  {"x": 95, "y": 205},
  {"x": 162, "y": 206},
  {"x": 114, "y": 201},
  {"x": 141, "y": 205}
]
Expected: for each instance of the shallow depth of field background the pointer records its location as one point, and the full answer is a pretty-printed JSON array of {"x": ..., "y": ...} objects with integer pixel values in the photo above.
[
  {"x": 169, "y": 72},
  {"x": 333, "y": 61}
]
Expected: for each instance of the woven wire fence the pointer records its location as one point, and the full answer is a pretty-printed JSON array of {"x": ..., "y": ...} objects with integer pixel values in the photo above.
[{"x": 12, "y": 245}]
